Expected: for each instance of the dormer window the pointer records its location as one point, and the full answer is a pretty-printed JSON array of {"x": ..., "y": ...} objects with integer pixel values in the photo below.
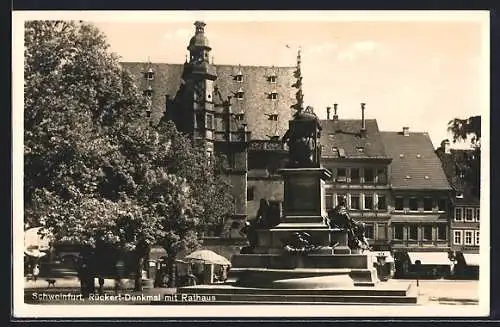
[
  {"x": 239, "y": 94},
  {"x": 273, "y": 117},
  {"x": 148, "y": 92},
  {"x": 239, "y": 116},
  {"x": 272, "y": 79},
  {"x": 360, "y": 149},
  {"x": 149, "y": 75}
]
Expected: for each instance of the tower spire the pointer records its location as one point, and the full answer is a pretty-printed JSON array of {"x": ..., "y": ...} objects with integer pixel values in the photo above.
[{"x": 299, "y": 95}]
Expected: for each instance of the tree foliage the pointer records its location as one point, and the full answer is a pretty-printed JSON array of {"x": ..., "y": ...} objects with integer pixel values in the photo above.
[
  {"x": 462, "y": 129},
  {"x": 95, "y": 169}
]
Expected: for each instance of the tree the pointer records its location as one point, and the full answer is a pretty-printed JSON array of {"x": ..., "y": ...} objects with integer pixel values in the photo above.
[
  {"x": 96, "y": 171},
  {"x": 463, "y": 130}
]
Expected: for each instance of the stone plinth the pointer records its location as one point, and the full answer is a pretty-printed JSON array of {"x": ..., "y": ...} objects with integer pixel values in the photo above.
[{"x": 304, "y": 194}]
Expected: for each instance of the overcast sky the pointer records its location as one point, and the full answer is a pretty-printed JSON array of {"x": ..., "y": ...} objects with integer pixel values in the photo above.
[{"x": 416, "y": 71}]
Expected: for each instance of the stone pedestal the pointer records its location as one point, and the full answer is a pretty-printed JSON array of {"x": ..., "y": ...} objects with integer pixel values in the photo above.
[{"x": 304, "y": 211}]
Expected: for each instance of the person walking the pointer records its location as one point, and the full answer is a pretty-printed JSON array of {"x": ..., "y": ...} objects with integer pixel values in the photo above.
[{"x": 36, "y": 272}]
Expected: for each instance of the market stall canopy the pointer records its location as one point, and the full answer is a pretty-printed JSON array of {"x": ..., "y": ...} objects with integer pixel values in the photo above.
[
  {"x": 472, "y": 259},
  {"x": 208, "y": 256},
  {"x": 430, "y": 258}
]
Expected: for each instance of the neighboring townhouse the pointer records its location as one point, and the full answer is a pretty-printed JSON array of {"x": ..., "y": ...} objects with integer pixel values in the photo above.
[
  {"x": 420, "y": 202},
  {"x": 464, "y": 225}
]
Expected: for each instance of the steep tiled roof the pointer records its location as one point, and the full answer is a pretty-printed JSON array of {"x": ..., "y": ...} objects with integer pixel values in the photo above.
[
  {"x": 343, "y": 136},
  {"x": 257, "y": 103},
  {"x": 414, "y": 166},
  {"x": 453, "y": 163}
]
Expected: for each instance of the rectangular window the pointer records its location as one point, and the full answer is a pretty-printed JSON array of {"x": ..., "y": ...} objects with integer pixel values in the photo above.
[
  {"x": 355, "y": 202},
  {"x": 458, "y": 214},
  {"x": 468, "y": 214},
  {"x": 381, "y": 231},
  {"x": 477, "y": 214},
  {"x": 381, "y": 203},
  {"x": 369, "y": 231},
  {"x": 329, "y": 201},
  {"x": 397, "y": 231},
  {"x": 476, "y": 236},
  {"x": 442, "y": 204},
  {"x": 272, "y": 79},
  {"x": 413, "y": 204},
  {"x": 428, "y": 204},
  {"x": 427, "y": 232},
  {"x": 355, "y": 175},
  {"x": 250, "y": 193},
  {"x": 441, "y": 232},
  {"x": 468, "y": 237},
  {"x": 381, "y": 176},
  {"x": 368, "y": 202},
  {"x": 341, "y": 175},
  {"x": 337, "y": 200},
  {"x": 210, "y": 156},
  {"x": 274, "y": 96},
  {"x": 209, "y": 122},
  {"x": 457, "y": 237},
  {"x": 399, "y": 203},
  {"x": 413, "y": 232},
  {"x": 369, "y": 176}
]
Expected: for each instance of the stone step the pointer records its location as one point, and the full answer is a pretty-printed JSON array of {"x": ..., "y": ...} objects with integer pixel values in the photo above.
[
  {"x": 272, "y": 298},
  {"x": 303, "y": 219},
  {"x": 277, "y": 261},
  {"x": 381, "y": 290}
]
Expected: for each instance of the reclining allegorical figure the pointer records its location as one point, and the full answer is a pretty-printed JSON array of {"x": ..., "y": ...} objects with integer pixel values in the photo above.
[{"x": 339, "y": 217}]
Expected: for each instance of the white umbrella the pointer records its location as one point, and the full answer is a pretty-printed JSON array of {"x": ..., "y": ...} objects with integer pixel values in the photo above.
[
  {"x": 208, "y": 256},
  {"x": 36, "y": 253}
]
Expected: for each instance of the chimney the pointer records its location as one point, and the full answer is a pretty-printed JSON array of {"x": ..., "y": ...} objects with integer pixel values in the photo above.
[
  {"x": 363, "y": 125},
  {"x": 328, "y": 112},
  {"x": 335, "y": 117},
  {"x": 445, "y": 145},
  {"x": 406, "y": 131}
]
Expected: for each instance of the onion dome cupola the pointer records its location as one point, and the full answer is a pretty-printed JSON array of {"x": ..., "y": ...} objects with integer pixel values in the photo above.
[{"x": 199, "y": 55}]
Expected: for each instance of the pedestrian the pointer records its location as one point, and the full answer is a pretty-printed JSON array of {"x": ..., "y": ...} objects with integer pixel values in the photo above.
[
  {"x": 120, "y": 272},
  {"x": 101, "y": 284},
  {"x": 36, "y": 272}
]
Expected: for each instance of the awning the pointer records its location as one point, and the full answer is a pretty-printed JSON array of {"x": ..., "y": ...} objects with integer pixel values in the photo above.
[
  {"x": 430, "y": 258},
  {"x": 417, "y": 219},
  {"x": 472, "y": 259}
]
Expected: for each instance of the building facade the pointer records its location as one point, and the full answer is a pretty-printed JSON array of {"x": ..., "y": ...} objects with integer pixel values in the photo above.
[
  {"x": 352, "y": 149},
  {"x": 464, "y": 222},
  {"x": 394, "y": 182},
  {"x": 237, "y": 113}
]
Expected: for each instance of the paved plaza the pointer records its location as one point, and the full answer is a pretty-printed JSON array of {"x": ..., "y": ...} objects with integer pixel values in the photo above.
[{"x": 430, "y": 292}]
